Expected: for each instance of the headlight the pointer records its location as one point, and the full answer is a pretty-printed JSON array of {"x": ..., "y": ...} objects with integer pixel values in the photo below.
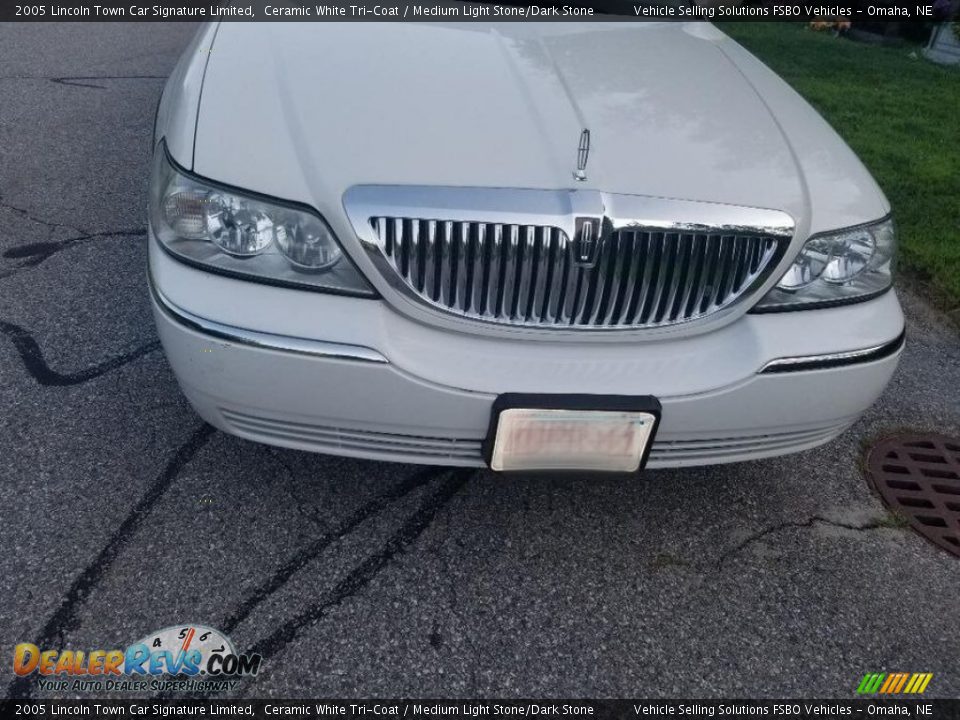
[
  {"x": 229, "y": 231},
  {"x": 836, "y": 268}
]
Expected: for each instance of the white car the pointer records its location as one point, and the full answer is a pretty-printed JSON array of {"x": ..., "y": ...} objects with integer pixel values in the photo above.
[{"x": 522, "y": 245}]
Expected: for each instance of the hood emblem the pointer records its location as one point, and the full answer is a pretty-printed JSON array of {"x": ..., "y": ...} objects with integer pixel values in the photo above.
[{"x": 583, "y": 154}]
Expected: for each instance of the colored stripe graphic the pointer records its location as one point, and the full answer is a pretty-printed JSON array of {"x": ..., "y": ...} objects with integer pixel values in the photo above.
[
  {"x": 894, "y": 683},
  {"x": 870, "y": 683},
  {"x": 901, "y": 681}
]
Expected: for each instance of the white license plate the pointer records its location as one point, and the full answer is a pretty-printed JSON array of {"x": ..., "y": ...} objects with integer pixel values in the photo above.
[{"x": 607, "y": 440}]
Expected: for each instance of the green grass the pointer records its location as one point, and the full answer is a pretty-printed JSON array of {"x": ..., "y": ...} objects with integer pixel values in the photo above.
[
  {"x": 893, "y": 520},
  {"x": 901, "y": 115}
]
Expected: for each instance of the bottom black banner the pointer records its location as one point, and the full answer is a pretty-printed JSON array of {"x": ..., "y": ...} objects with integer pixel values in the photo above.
[{"x": 422, "y": 709}]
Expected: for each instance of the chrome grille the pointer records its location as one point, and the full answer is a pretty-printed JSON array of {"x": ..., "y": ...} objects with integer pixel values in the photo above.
[{"x": 531, "y": 275}]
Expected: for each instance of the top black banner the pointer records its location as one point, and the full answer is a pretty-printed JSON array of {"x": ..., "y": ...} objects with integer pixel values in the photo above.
[
  {"x": 455, "y": 10},
  {"x": 481, "y": 709}
]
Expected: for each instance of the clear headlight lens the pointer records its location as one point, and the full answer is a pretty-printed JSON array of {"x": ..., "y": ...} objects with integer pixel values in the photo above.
[
  {"x": 835, "y": 268},
  {"x": 228, "y": 231}
]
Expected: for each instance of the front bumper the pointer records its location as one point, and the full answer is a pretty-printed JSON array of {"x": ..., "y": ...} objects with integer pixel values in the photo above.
[{"x": 351, "y": 377}]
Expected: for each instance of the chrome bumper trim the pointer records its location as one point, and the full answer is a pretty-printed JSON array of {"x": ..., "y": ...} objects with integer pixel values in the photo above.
[
  {"x": 820, "y": 362},
  {"x": 266, "y": 341}
]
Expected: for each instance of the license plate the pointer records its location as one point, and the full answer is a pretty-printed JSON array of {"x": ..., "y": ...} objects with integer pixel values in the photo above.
[{"x": 530, "y": 438}]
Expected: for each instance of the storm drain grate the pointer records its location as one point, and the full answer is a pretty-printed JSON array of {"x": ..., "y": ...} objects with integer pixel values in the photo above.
[{"x": 918, "y": 477}]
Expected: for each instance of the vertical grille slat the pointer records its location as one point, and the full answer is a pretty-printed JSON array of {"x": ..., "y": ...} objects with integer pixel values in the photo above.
[
  {"x": 544, "y": 244},
  {"x": 722, "y": 270},
  {"x": 509, "y": 273},
  {"x": 729, "y": 268},
  {"x": 743, "y": 268},
  {"x": 693, "y": 275},
  {"x": 558, "y": 278},
  {"x": 679, "y": 279},
  {"x": 430, "y": 264},
  {"x": 573, "y": 275},
  {"x": 645, "y": 265},
  {"x": 614, "y": 280},
  {"x": 600, "y": 283},
  {"x": 398, "y": 241},
  {"x": 416, "y": 277},
  {"x": 525, "y": 272},
  {"x": 671, "y": 271},
  {"x": 710, "y": 263},
  {"x": 480, "y": 262},
  {"x": 658, "y": 244},
  {"x": 531, "y": 275},
  {"x": 618, "y": 278},
  {"x": 580, "y": 295},
  {"x": 631, "y": 262},
  {"x": 446, "y": 264},
  {"x": 740, "y": 261},
  {"x": 461, "y": 247},
  {"x": 494, "y": 267}
]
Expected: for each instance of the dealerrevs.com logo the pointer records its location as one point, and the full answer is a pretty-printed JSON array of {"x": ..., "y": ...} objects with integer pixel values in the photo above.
[{"x": 189, "y": 658}]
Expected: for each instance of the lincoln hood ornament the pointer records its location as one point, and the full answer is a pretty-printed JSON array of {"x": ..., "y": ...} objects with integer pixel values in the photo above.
[{"x": 583, "y": 154}]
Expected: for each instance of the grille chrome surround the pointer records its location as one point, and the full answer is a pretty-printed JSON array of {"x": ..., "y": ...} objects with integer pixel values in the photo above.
[{"x": 662, "y": 263}]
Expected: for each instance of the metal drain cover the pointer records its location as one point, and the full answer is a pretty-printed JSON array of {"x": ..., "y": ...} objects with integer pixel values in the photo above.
[{"x": 918, "y": 477}]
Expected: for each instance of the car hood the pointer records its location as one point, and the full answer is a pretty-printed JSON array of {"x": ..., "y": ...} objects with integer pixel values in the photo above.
[{"x": 305, "y": 111}]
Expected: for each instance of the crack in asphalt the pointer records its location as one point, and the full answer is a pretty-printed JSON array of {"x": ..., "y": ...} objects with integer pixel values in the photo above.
[
  {"x": 36, "y": 253},
  {"x": 82, "y": 80},
  {"x": 362, "y": 574},
  {"x": 454, "y": 606},
  {"x": 78, "y": 80},
  {"x": 32, "y": 357},
  {"x": 276, "y": 454},
  {"x": 318, "y": 546},
  {"x": 879, "y": 523},
  {"x": 64, "y": 617},
  {"x": 33, "y": 218}
]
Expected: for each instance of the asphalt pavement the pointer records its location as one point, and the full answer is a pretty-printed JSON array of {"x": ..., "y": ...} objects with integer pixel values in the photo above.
[{"x": 122, "y": 513}]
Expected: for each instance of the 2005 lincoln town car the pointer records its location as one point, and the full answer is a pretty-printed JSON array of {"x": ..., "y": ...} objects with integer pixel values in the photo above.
[{"x": 532, "y": 246}]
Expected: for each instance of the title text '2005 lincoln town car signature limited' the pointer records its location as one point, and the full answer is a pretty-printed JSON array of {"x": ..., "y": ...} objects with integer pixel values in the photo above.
[{"x": 532, "y": 246}]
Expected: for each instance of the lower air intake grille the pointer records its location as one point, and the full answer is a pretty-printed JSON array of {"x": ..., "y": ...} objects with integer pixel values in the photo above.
[
  {"x": 666, "y": 452},
  {"x": 325, "y": 438}
]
